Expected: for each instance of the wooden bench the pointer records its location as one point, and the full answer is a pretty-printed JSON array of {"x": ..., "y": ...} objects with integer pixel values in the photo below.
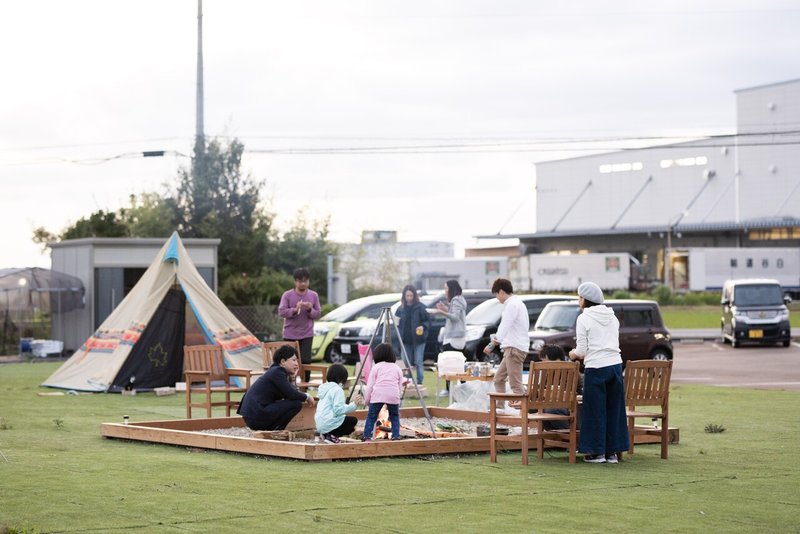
[
  {"x": 205, "y": 365},
  {"x": 269, "y": 349}
]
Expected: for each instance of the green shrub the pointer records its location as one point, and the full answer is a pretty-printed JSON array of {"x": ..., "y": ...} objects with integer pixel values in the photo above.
[
  {"x": 663, "y": 295},
  {"x": 692, "y": 299},
  {"x": 621, "y": 294}
]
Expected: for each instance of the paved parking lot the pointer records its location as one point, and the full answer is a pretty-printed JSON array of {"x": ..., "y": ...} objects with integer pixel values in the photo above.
[{"x": 716, "y": 364}]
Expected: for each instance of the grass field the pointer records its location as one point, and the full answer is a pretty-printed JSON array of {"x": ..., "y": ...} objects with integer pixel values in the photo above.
[
  {"x": 707, "y": 316},
  {"x": 58, "y": 475}
]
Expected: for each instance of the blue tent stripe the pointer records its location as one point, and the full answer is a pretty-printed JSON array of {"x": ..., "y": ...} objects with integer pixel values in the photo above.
[
  {"x": 206, "y": 331},
  {"x": 172, "y": 250}
]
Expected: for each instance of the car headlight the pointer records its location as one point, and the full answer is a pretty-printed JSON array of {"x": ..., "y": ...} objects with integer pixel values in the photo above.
[
  {"x": 367, "y": 330},
  {"x": 537, "y": 344},
  {"x": 473, "y": 333},
  {"x": 321, "y": 330},
  {"x": 740, "y": 317},
  {"x": 783, "y": 316}
]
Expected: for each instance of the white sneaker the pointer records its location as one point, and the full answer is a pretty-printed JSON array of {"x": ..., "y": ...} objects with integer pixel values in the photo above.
[{"x": 443, "y": 393}]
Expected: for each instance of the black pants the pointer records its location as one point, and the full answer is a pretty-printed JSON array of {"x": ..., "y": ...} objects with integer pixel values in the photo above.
[
  {"x": 305, "y": 353},
  {"x": 346, "y": 428},
  {"x": 275, "y": 416}
]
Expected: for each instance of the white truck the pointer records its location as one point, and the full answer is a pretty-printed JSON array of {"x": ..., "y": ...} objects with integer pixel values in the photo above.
[
  {"x": 707, "y": 269},
  {"x": 557, "y": 272}
]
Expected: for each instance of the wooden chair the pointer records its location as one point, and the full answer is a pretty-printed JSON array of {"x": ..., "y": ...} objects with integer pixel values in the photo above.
[
  {"x": 647, "y": 384},
  {"x": 551, "y": 385},
  {"x": 269, "y": 349},
  {"x": 205, "y": 364}
]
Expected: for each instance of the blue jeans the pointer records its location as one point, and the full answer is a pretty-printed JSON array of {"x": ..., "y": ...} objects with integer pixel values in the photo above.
[
  {"x": 372, "y": 418},
  {"x": 416, "y": 357},
  {"x": 604, "y": 427}
]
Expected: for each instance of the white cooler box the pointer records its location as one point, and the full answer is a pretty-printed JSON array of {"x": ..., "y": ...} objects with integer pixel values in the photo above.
[{"x": 450, "y": 362}]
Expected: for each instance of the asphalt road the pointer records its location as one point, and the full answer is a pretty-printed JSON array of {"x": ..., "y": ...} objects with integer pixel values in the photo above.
[{"x": 716, "y": 364}]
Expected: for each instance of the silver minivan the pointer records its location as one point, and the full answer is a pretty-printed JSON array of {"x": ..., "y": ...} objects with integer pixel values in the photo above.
[{"x": 754, "y": 310}]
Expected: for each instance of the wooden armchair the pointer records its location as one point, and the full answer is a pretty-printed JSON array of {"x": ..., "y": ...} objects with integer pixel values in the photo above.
[
  {"x": 205, "y": 365},
  {"x": 269, "y": 349},
  {"x": 647, "y": 384},
  {"x": 551, "y": 386}
]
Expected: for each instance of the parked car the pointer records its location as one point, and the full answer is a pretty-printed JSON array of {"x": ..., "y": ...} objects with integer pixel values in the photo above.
[
  {"x": 345, "y": 344},
  {"x": 327, "y": 326},
  {"x": 755, "y": 310},
  {"x": 642, "y": 333},
  {"x": 483, "y": 321}
]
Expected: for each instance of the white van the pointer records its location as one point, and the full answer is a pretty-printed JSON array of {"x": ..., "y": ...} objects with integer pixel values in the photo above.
[{"x": 754, "y": 310}]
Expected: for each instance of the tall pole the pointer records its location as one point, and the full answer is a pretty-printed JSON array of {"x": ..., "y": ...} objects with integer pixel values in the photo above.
[{"x": 199, "y": 136}]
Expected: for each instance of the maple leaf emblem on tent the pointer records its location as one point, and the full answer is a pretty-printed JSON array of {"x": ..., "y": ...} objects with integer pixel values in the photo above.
[{"x": 157, "y": 355}]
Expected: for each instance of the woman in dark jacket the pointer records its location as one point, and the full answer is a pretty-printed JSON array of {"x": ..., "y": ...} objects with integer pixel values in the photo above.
[
  {"x": 273, "y": 400},
  {"x": 414, "y": 324}
]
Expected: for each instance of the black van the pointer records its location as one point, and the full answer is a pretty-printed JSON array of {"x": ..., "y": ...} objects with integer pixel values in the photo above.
[
  {"x": 754, "y": 310},
  {"x": 642, "y": 334}
]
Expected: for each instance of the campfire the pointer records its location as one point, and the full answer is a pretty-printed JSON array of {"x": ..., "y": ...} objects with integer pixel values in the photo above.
[{"x": 383, "y": 429}]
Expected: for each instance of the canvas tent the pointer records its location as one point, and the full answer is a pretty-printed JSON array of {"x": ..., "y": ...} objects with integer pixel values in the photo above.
[{"x": 141, "y": 342}]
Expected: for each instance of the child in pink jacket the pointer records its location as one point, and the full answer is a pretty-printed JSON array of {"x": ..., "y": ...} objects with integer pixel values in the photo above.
[{"x": 384, "y": 386}]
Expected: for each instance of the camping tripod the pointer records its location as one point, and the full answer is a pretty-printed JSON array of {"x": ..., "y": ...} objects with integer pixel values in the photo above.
[{"x": 386, "y": 326}]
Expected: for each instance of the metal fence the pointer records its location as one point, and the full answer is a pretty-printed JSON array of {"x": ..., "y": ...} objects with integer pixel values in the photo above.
[{"x": 262, "y": 321}]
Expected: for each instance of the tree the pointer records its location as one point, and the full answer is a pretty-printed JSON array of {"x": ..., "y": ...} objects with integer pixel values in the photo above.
[
  {"x": 214, "y": 199},
  {"x": 305, "y": 244},
  {"x": 98, "y": 224},
  {"x": 149, "y": 215}
]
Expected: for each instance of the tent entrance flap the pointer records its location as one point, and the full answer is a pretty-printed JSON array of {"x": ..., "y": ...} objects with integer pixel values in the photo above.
[{"x": 156, "y": 359}]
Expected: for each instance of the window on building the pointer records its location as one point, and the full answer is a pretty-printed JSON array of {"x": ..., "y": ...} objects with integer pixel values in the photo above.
[
  {"x": 749, "y": 263},
  {"x": 684, "y": 162},
  {"x": 779, "y": 263},
  {"x": 764, "y": 263},
  {"x": 734, "y": 262},
  {"x": 769, "y": 234},
  {"x": 621, "y": 167}
]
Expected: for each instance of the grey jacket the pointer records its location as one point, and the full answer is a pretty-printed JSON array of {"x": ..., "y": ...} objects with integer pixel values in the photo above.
[{"x": 455, "y": 326}]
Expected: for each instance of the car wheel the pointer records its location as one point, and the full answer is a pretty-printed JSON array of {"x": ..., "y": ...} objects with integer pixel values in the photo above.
[
  {"x": 659, "y": 355},
  {"x": 736, "y": 344},
  {"x": 335, "y": 357},
  {"x": 786, "y": 343},
  {"x": 328, "y": 352}
]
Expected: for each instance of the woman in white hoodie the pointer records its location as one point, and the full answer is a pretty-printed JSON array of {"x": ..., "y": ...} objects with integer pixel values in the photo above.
[{"x": 604, "y": 429}]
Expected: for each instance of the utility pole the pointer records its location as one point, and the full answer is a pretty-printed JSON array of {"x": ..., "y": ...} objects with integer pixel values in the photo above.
[{"x": 199, "y": 136}]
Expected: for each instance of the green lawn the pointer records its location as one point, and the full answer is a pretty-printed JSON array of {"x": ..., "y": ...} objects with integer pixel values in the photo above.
[
  {"x": 707, "y": 316},
  {"x": 58, "y": 475}
]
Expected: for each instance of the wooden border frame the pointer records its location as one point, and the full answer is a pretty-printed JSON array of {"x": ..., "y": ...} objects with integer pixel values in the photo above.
[{"x": 188, "y": 433}]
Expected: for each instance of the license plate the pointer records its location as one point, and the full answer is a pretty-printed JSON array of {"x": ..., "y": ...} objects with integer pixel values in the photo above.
[
  {"x": 756, "y": 333},
  {"x": 345, "y": 349}
]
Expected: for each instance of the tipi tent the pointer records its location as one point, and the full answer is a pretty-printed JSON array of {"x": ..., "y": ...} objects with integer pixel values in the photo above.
[{"x": 141, "y": 342}]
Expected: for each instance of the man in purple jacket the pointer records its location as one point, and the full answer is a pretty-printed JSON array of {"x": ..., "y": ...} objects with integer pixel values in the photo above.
[{"x": 299, "y": 307}]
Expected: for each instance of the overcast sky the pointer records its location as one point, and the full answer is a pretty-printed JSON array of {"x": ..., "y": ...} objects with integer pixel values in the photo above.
[{"x": 424, "y": 117}]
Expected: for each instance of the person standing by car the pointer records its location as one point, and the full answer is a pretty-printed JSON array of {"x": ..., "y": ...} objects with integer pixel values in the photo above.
[
  {"x": 455, "y": 313},
  {"x": 299, "y": 307},
  {"x": 414, "y": 324},
  {"x": 512, "y": 336},
  {"x": 604, "y": 429}
]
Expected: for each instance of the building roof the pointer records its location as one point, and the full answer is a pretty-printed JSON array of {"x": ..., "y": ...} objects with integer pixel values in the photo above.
[{"x": 728, "y": 226}]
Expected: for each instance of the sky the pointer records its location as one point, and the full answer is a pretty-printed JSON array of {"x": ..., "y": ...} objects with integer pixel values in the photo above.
[{"x": 424, "y": 117}]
